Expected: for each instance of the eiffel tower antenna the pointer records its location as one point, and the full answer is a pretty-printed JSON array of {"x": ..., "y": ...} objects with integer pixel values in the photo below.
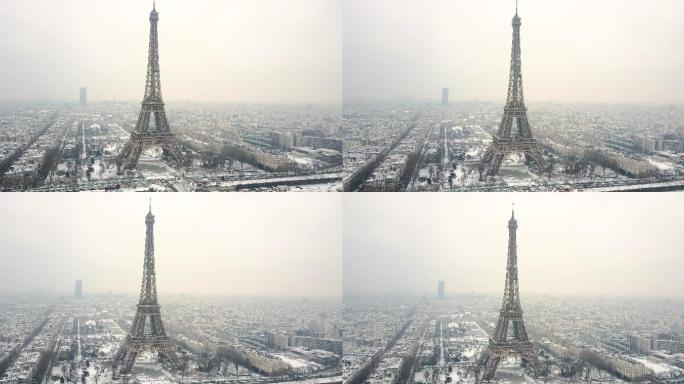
[
  {"x": 514, "y": 134},
  {"x": 150, "y": 205},
  {"x": 152, "y": 128}
]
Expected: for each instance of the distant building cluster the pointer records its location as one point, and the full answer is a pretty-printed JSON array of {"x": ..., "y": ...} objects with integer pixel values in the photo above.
[
  {"x": 282, "y": 341},
  {"x": 260, "y": 361},
  {"x": 651, "y": 144}
]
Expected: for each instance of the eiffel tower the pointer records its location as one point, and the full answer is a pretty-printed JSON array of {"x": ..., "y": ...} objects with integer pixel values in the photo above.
[
  {"x": 510, "y": 337},
  {"x": 147, "y": 332},
  {"x": 514, "y": 134},
  {"x": 152, "y": 128}
]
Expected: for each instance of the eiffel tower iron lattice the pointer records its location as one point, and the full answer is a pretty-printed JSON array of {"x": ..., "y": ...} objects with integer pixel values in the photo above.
[
  {"x": 514, "y": 134},
  {"x": 510, "y": 336},
  {"x": 147, "y": 332},
  {"x": 152, "y": 128}
]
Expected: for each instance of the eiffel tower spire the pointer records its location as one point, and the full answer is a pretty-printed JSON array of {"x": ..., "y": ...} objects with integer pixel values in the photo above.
[
  {"x": 514, "y": 134},
  {"x": 152, "y": 128},
  {"x": 153, "y": 82},
  {"x": 511, "y": 299},
  {"x": 148, "y": 290},
  {"x": 147, "y": 331},
  {"x": 510, "y": 336}
]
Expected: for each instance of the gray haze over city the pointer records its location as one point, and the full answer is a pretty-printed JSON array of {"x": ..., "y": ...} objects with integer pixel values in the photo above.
[
  {"x": 573, "y": 51},
  {"x": 203, "y": 244},
  {"x": 586, "y": 244},
  {"x": 216, "y": 51}
]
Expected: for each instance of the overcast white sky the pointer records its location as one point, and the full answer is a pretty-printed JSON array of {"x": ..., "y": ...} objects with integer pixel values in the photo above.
[
  {"x": 210, "y": 50},
  {"x": 573, "y": 50},
  {"x": 568, "y": 244},
  {"x": 298, "y": 50},
  {"x": 231, "y": 244}
]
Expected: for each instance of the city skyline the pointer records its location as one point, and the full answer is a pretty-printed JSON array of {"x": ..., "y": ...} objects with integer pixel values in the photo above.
[
  {"x": 573, "y": 51},
  {"x": 567, "y": 245},
  {"x": 222, "y": 242}
]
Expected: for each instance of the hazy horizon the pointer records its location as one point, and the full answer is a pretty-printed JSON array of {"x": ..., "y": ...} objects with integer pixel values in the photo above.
[
  {"x": 609, "y": 51},
  {"x": 568, "y": 244},
  {"x": 204, "y": 244},
  {"x": 423, "y": 101},
  {"x": 210, "y": 51}
]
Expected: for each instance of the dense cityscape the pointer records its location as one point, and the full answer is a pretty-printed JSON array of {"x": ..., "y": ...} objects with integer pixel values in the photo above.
[
  {"x": 58, "y": 339},
  {"x": 53, "y": 147},
  {"x": 433, "y": 339},
  {"x": 427, "y": 147}
]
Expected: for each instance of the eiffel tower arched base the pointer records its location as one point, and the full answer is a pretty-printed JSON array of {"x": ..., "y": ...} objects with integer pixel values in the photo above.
[
  {"x": 497, "y": 152},
  {"x": 133, "y": 347},
  {"x": 490, "y": 359},
  {"x": 129, "y": 156}
]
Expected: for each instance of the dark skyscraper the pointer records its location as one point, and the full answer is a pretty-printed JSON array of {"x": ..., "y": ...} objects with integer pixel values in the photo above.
[
  {"x": 78, "y": 289},
  {"x": 84, "y": 96},
  {"x": 445, "y": 97},
  {"x": 440, "y": 289}
]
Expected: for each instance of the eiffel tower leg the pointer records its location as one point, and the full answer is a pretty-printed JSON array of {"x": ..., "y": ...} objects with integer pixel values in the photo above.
[
  {"x": 121, "y": 353},
  {"x": 532, "y": 360},
  {"x": 125, "y": 152},
  {"x": 479, "y": 366},
  {"x": 170, "y": 354},
  {"x": 134, "y": 156},
  {"x": 490, "y": 367},
  {"x": 495, "y": 164},
  {"x": 123, "y": 156},
  {"x": 484, "y": 162},
  {"x": 124, "y": 360},
  {"x": 536, "y": 156},
  {"x": 488, "y": 156},
  {"x": 128, "y": 361},
  {"x": 174, "y": 150}
]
